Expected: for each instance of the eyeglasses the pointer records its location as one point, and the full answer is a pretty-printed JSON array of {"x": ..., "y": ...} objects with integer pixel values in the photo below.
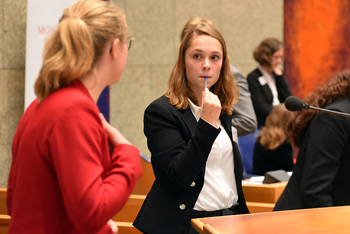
[
  {"x": 129, "y": 40},
  {"x": 129, "y": 43}
]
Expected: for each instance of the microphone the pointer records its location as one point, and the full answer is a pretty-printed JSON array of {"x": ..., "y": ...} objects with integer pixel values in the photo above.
[{"x": 293, "y": 103}]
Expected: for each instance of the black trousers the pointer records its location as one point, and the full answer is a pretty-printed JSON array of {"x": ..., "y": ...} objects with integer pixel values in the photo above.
[{"x": 202, "y": 214}]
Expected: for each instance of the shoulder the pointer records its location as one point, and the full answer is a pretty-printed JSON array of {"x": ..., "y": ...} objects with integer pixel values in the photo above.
[
  {"x": 286, "y": 147},
  {"x": 321, "y": 120},
  {"x": 161, "y": 104},
  {"x": 340, "y": 105},
  {"x": 254, "y": 74},
  {"x": 69, "y": 101},
  {"x": 237, "y": 73},
  {"x": 162, "y": 100}
]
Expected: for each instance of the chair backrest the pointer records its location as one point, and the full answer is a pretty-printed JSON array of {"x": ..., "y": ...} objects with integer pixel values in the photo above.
[{"x": 246, "y": 146}]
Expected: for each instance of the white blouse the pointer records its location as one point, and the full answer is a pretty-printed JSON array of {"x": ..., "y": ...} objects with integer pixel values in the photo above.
[
  {"x": 271, "y": 82},
  {"x": 219, "y": 190}
]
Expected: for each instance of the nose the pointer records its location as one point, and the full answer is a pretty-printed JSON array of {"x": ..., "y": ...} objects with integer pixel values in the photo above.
[{"x": 206, "y": 65}]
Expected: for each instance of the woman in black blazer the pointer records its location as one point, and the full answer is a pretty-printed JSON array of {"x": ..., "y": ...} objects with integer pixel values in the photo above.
[
  {"x": 195, "y": 156},
  {"x": 321, "y": 175},
  {"x": 272, "y": 150},
  {"x": 267, "y": 84}
]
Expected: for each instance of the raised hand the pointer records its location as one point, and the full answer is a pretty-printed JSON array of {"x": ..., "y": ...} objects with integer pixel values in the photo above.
[
  {"x": 211, "y": 107},
  {"x": 114, "y": 136},
  {"x": 113, "y": 226}
]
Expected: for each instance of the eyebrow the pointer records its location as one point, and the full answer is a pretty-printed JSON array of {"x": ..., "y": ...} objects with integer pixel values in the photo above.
[{"x": 214, "y": 52}]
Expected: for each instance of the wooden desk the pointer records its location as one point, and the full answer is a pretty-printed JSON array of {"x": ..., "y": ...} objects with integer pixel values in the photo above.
[{"x": 320, "y": 220}]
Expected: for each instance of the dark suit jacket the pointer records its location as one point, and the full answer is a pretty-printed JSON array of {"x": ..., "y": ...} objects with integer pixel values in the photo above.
[
  {"x": 180, "y": 147},
  {"x": 262, "y": 96},
  {"x": 268, "y": 160},
  {"x": 321, "y": 175}
]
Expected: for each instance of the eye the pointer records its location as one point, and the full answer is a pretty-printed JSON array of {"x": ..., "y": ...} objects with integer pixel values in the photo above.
[
  {"x": 196, "y": 56},
  {"x": 215, "y": 57}
]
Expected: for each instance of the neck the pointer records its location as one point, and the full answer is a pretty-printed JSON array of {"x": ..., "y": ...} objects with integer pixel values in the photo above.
[
  {"x": 268, "y": 69},
  {"x": 198, "y": 95},
  {"x": 92, "y": 84}
]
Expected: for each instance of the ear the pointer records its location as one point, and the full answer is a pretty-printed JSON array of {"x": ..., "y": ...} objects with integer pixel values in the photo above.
[{"x": 115, "y": 48}]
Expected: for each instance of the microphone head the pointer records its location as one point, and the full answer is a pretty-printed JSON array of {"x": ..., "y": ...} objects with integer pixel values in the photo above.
[{"x": 293, "y": 103}]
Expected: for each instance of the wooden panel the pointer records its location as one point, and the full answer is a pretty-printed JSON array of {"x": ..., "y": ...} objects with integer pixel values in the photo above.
[
  {"x": 259, "y": 207},
  {"x": 145, "y": 183},
  {"x": 131, "y": 208},
  {"x": 266, "y": 193},
  {"x": 316, "y": 42},
  {"x": 126, "y": 228},
  {"x": 4, "y": 223},
  {"x": 3, "y": 208}
]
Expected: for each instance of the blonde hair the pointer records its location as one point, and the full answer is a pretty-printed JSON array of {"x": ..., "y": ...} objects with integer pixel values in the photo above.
[
  {"x": 273, "y": 134},
  {"x": 78, "y": 43},
  {"x": 225, "y": 88}
]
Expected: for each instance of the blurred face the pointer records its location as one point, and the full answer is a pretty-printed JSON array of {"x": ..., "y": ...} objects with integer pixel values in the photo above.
[
  {"x": 121, "y": 61},
  {"x": 277, "y": 58},
  {"x": 203, "y": 58}
]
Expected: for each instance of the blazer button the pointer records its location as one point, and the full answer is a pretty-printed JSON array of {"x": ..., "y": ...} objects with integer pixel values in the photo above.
[
  {"x": 193, "y": 184},
  {"x": 182, "y": 206}
]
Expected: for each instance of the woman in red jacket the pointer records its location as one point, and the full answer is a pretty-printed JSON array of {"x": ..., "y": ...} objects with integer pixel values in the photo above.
[{"x": 63, "y": 178}]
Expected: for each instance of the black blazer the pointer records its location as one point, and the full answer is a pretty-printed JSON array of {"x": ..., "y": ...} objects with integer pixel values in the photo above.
[
  {"x": 267, "y": 160},
  {"x": 321, "y": 175},
  {"x": 180, "y": 147},
  {"x": 262, "y": 97}
]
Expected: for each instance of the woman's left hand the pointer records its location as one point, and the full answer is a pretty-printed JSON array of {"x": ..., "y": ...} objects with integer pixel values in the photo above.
[
  {"x": 114, "y": 136},
  {"x": 113, "y": 226},
  {"x": 211, "y": 107}
]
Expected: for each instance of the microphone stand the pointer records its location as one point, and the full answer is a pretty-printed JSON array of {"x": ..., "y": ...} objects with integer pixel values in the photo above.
[{"x": 307, "y": 106}]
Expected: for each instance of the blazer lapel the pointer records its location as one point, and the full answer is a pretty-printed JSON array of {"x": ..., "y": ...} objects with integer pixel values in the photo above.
[
  {"x": 189, "y": 119},
  {"x": 226, "y": 122}
]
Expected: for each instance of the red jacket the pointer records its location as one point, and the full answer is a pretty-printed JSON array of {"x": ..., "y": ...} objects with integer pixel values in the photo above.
[{"x": 63, "y": 178}]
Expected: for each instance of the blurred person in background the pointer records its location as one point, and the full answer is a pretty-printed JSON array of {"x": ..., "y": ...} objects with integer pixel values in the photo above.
[
  {"x": 272, "y": 150},
  {"x": 267, "y": 84}
]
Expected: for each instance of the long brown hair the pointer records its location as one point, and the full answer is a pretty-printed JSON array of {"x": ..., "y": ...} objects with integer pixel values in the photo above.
[
  {"x": 78, "y": 43},
  {"x": 272, "y": 135},
  {"x": 225, "y": 88},
  {"x": 194, "y": 21},
  {"x": 337, "y": 87}
]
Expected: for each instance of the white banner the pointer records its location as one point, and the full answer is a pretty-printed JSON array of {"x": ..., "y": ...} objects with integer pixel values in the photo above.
[{"x": 42, "y": 20}]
